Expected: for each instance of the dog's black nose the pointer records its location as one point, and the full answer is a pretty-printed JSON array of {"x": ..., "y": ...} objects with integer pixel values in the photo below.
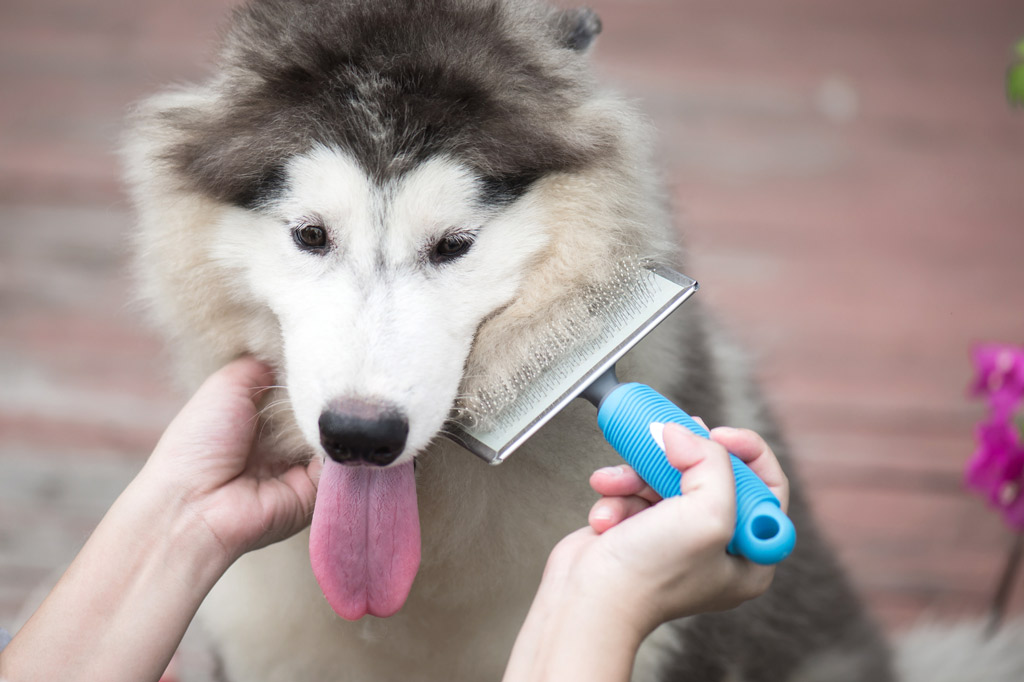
[{"x": 357, "y": 430}]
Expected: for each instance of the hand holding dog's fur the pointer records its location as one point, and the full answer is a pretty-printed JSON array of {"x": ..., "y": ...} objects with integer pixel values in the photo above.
[
  {"x": 207, "y": 451},
  {"x": 123, "y": 605}
]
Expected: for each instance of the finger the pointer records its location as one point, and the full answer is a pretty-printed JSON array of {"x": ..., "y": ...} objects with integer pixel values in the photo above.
[
  {"x": 231, "y": 394},
  {"x": 620, "y": 481},
  {"x": 750, "y": 580},
  {"x": 752, "y": 449},
  {"x": 706, "y": 471},
  {"x": 234, "y": 380},
  {"x": 734, "y": 581},
  {"x": 299, "y": 479},
  {"x": 246, "y": 373},
  {"x": 286, "y": 500},
  {"x": 314, "y": 469},
  {"x": 611, "y": 511},
  {"x": 221, "y": 415}
]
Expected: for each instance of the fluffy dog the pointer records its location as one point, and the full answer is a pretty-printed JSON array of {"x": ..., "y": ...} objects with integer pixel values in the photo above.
[{"x": 387, "y": 200}]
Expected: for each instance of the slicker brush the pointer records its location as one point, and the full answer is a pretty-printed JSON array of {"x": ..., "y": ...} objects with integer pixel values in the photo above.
[{"x": 574, "y": 357}]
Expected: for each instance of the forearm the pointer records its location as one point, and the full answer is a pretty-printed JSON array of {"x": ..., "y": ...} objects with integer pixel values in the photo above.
[{"x": 120, "y": 610}]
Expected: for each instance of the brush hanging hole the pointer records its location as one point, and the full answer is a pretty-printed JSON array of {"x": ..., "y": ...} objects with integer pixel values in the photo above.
[{"x": 764, "y": 527}]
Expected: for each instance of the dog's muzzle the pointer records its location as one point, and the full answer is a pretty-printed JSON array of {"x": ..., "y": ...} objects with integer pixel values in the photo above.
[{"x": 363, "y": 431}]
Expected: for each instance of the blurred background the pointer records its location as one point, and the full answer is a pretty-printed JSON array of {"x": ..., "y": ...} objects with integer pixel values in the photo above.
[{"x": 848, "y": 178}]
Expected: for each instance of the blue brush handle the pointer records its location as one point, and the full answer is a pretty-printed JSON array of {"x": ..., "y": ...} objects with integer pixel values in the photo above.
[{"x": 764, "y": 534}]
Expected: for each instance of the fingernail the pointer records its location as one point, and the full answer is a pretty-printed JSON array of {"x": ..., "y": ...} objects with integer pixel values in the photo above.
[
  {"x": 683, "y": 432},
  {"x": 658, "y": 434},
  {"x": 679, "y": 428},
  {"x": 610, "y": 471},
  {"x": 601, "y": 513}
]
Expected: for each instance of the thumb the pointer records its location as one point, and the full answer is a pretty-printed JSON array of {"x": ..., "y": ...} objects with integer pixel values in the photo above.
[
  {"x": 707, "y": 478},
  {"x": 222, "y": 411}
]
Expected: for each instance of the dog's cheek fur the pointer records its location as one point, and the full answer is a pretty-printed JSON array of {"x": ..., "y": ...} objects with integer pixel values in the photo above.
[
  {"x": 200, "y": 307},
  {"x": 594, "y": 218},
  {"x": 194, "y": 296}
]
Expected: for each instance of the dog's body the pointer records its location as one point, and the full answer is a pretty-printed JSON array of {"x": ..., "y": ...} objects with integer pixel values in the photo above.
[{"x": 387, "y": 200}]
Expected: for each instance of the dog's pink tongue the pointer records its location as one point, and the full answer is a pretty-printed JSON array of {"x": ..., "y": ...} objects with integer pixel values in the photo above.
[{"x": 364, "y": 543}]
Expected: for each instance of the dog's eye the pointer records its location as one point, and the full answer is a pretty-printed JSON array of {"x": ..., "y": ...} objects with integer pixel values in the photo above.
[
  {"x": 310, "y": 237},
  {"x": 452, "y": 246}
]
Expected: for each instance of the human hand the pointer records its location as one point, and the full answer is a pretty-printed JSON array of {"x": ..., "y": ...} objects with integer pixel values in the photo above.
[
  {"x": 207, "y": 454},
  {"x": 651, "y": 560},
  {"x": 201, "y": 501}
]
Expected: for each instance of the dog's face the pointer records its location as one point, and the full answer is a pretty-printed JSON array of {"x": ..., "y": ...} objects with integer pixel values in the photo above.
[
  {"x": 379, "y": 288},
  {"x": 378, "y": 166}
]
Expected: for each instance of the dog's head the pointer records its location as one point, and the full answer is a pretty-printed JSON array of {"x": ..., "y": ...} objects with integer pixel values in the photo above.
[
  {"x": 385, "y": 199},
  {"x": 376, "y": 181}
]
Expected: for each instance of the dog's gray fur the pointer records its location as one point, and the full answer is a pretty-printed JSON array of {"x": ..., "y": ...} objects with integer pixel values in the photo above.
[{"x": 506, "y": 89}]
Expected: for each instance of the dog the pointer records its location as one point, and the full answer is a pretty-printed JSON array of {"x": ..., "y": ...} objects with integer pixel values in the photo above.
[{"x": 387, "y": 200}]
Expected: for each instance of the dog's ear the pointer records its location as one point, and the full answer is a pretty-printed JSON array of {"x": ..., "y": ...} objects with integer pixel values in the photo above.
[
  {"x": 188, "y": 139},
  {"x": 578, "y": 28}
]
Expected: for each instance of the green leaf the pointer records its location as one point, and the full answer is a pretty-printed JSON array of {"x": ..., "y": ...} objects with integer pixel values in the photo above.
[{"x": 1015, "y": 84}]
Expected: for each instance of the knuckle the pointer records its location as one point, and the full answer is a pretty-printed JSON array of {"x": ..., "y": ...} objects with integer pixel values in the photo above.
[
  {"x": 755, "y": 438},
  {"x": 713, "y": 448},
  {"x": 750, "y": 433},
  {"x": 716, "y": 530}
]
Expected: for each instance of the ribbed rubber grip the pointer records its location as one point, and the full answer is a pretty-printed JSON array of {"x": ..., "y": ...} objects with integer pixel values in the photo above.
[{"x": 764, "y": 534}]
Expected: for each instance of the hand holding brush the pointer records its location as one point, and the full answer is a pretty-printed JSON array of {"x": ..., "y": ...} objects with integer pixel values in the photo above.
[{"x": 644, "y": 560}]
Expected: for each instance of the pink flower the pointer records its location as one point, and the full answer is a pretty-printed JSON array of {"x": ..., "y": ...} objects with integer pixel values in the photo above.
[
  {"x": 1000, "y": 375},
  {"x": 996, "y": 470}
]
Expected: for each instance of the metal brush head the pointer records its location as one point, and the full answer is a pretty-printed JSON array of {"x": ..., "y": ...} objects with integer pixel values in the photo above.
[{"x": 599, "y": 325}]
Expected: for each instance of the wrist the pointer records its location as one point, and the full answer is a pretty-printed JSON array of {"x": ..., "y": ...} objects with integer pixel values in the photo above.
[
  {"x": 595, "y": 589},
  {"x": 169, "y": 527},
  {"x": 576, "y": 629},
  {"x": 608, "y": 610},
  {"x": 568, "y": 635}
]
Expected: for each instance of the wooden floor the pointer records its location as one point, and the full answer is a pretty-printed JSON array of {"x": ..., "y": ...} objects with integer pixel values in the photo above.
[{"x": 848, "y": 178}]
